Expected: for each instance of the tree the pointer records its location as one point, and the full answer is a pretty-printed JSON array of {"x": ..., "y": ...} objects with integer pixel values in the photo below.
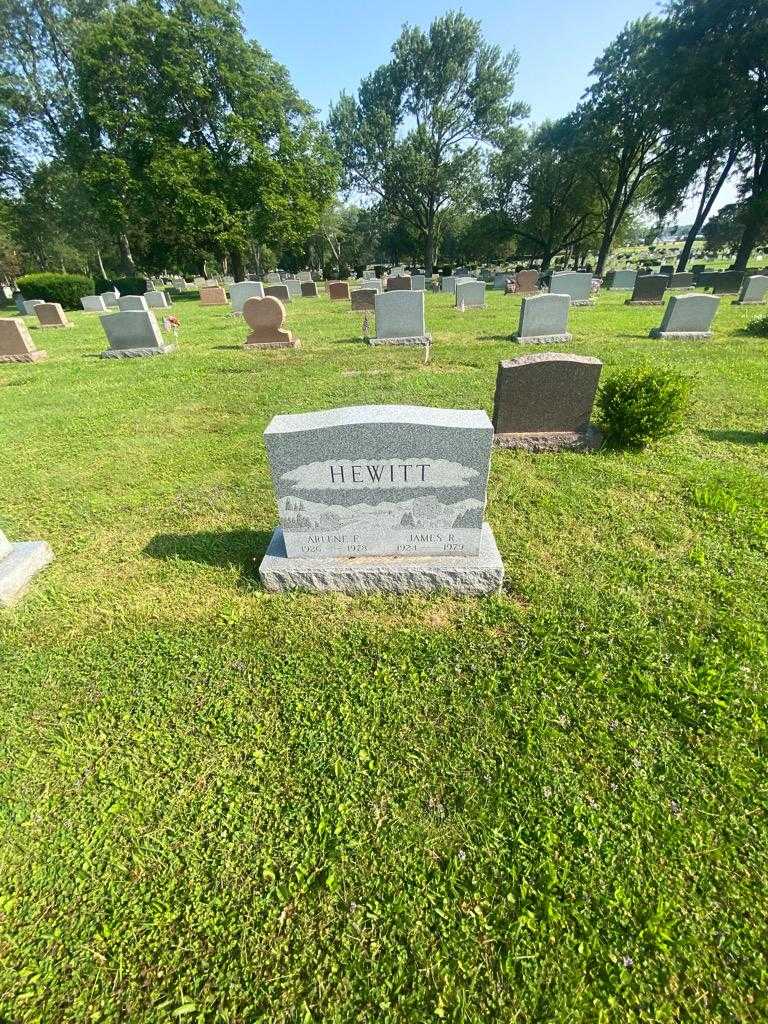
[
  {"x": 413, "y": 135},
  {"x": 726, "y": 229},
  {"x": 621, "y": 125},
  {"x": 722, "y": 49}
]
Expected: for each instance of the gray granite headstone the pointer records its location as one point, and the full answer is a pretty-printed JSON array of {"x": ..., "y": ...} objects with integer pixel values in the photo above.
[
  {"x": 753, "y": 290},
  {"x": 93, "y": 304},
  {"x": 381, "y": 498},
  {"x": 418, "y": 282},
  {"x": 278, "y": 291},
  {"x": 471, "y": 294},
  {"x": 132, "y": 304},
  {"x": 400, "y": 319},
  {"x": 18, "y": 564},
  {"x": 243, "y": 290},
  {"x": 29, "y": 306},
  {"x": 649, "y": 290},
  {"x": 688, "y": 316},
  {"x": 294, "y": 287},
  {"x": 133, "y": 333},
  {"x": 110, "y": 298},
  {"x": 500, "y": 282},
  {"x": 304, "y": 277},
  {"x": 682, "y": 280},
  {"x": 543, "y": 402},
  {"x": 156, "y": 300},
  {"x": 543, "y": 319},
  {"x": 448, "y": 284},
  {"x": 577, "y": 286},
  {"x": 726, "y": 281},
  {"x": 621, "y": 280},
  {"x": 308, "y": 290}
]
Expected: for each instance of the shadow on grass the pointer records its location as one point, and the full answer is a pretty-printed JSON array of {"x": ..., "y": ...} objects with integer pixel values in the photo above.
[
  {"x": 240, "y": 549},
  {"x": 494, "y": 337},
  {"x": 737, "y": 436},
  {"x": 224, "y": 348}
]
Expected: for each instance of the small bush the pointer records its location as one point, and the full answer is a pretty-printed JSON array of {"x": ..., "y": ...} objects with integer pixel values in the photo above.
[
  {"x": 66, "y": 289},
  {"x": 125, "y": 285},
  {"x": 758, "y": 326},
  {"x": 642, "y": 405}
]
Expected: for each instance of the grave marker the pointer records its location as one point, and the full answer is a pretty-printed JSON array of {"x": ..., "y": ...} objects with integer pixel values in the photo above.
[
  {"x": 213, "y": 295},
  {"x": 308, "y": 290},
  {"x": 132, "y": 304},
  {"x": 278, "y": 291},
  {"x": 50, "y": 314},
  {"x": 133, "y": 334},
  {"x": 543, "y": 319},
  {"x": 364, "y": 299},
  {"x": 338, "y": 291},
  {"x": 470, "y": 294},
  {"x": 753, "y": 291},
  {"x": 527, "y": 282},
  {"x": 578, "y": 286},
  {"x": 242, "y": 291},
  {"x": 156, "y": 300},
  {"x": 649, "y": 290},
  {"x": 16, "y": 344},
  {"x": 687, "y": 316},
  {"x": 265, "y": 317},
  {"x": 400, "y": 319},
  {"x": 19, "y": 563},
  {"x": 93, "y": 304}
]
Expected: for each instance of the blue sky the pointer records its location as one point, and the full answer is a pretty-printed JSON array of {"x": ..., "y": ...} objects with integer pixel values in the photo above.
[{"x": 329, "y": 45}]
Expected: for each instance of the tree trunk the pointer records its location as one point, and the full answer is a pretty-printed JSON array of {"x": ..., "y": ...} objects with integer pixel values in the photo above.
[
  {"x": 757, "y": 215},
  {"x": 705, "y": 206},
  {"x": 236, "y": 261},
  {"x": 429, "y": 249},
  {"x": 747, "y": 244},
  {"x": 101, "y": 264},
  {"x": 127, "y": 265}
]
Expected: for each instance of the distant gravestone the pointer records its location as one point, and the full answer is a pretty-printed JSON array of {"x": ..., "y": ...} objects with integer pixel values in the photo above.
[
  {"x": 418, "y": 282},
  {"x": 132, "y": 304},
  {"x": 543, "y": 319},
  {"x": 400, "y": 319},
  {"x": 381, "y": 498},
  {"x": 294, "y": 287},
  {"x": 621, "y": 280},
  {"x": 93, "y": 304},
  {"x": 243, "y": 290},
  {"x": 753, "y": 291},
  {"x": 470, "y": 294},
  {"x": 110, "y": 299},
  {"x": 577, "y": 286},
  {"x": 304, "y": 277},
  {"x": 649, "y": 290},
  {"x": 448, "y": 284},
  {"x": 667, "y": 268},
  {"x": 308, "y": 290},
  {"x": 278, "y": 291},
  {"x": 400, "y": 283},
  {"x": 543, "y": 402},
  {"x": 687, "y": 316},
  {"x": 30, "y": 304},
  {"x": 16, "y": 344},
  {"x": 50, "y": 314},
  {"x": 265, "y": 317},
  {"x": 726, "y": 282},
  {"x": 682, "y": 280},
  {"x": 213, "y": 295},
  {"x": 272, "y": 278},
  {"x": 527, "y": 282},
  {"x": 500, "y": 282},
  {"x": 338, "y": 291},
  {"x": 364, "y": 299},
  {"x": 132, "y": 334},
  {"x": 19, "y": 563},
  {"x": 156, "y": 300}
]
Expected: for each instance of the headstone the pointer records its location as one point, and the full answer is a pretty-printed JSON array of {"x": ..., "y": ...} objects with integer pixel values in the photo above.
[
  {"x": 527, "y": 282},
  {"x": 50, "y": 314},
  {"x": 211, "y": 282},
  {"x": 199, "y": 282},
  {"x": 418, "y": 282},
  {"x": 470, "y": 294},
  {"x": 30, "y": 304},
  {"x": 18, "y": 564},
  {"x": 156, "y": 300},
  {"x": 400, "y": 283},
  {"x": 543, "y": 319},
  {"x": 93, "y": 304},
  {"x": 16, "y": 344},
  {"x": 213, "y": 295},
  {"x": 338, "y": 291},
  {"x": 227, "y": 280},
  {"x": 265, "y": 317},
  {"x": 753, "y": 291},
  {"x": 132, "y": 304},
  {"x": 620, "y": 280},
  {"x": 543, "y": 402},
  {"x": 576, "y": 285},
  {"x": 687, "y": 316},
  {"x": 381, "y": 498},
  {"x": 110, "y": 299},
  {"x": 179, "y": 284},
  {"x": 133, "y": 333},
  {"x": 243, "y": 290},
  {"x": 397, "y": 271},
  {"x": 278, "y": 291},
  {"x": 726, "y": 282},
  {"x": 304, "y": 277},
  {"x": 272, "y": 279},
  {"x": 500, "y": 282},
  {"x": 667, "y": 268},
  {"x": 682, "y": 280},
  {"x": 364, "y": 299},
  {"x": 308, "y": 290},
  {"x": 294, "y": 287},
  {"x": 400, "y": 319},
  {"x": 448, "y": 284},
  {"x": 698, "y": 268},
  {"x": 649, "y": 290}
]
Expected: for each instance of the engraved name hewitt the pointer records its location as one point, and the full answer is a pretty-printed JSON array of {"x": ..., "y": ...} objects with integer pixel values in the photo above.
[{"x": 405, "y": 472}]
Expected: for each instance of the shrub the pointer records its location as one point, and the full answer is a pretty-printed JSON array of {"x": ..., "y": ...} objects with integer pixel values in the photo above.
[
  {"x": 125, "y": 285},
  {"x": 758, "y": 326},
  {"x": 66, "y": 289},
  {"x": 642, "y": 405}
]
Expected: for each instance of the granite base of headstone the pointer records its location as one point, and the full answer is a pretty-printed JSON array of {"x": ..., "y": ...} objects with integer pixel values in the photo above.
[
  {"x": 265, "y": 317},
  {"x": 381, "y": 499},
  {"x": 543, "y": 320},
  {"x": 19, "y": 564},
  {"x": 687, "y": 317},
  {"x": 16, "y": 344},
  {"x": 543, "y": 403},
  {"x": 133, "y": 334},
  {"x": 400, "y": 319}
]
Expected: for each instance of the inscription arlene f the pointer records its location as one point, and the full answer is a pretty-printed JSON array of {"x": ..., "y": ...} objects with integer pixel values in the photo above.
[{"x": 381, "y": 480}]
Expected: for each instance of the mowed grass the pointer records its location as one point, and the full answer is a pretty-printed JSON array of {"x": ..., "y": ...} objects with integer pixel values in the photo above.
[{"x": 223, "y": 805}]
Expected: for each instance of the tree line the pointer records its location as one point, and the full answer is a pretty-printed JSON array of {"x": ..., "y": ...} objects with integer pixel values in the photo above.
[{"x": 154, "y": 134}]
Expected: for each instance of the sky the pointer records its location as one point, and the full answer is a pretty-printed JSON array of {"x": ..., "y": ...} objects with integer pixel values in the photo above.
[{"x": 328, "y": 46}]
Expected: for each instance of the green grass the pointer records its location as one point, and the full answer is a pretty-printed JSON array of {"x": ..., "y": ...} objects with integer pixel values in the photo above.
[{"x": 223, "y": 805}]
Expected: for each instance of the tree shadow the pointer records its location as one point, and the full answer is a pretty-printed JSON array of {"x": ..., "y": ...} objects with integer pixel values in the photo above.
[
  {"x": 224, "y": 348},
  {"x": 239, "y": 549},
  {"x": 494, "y": 337},
  {"x": 737, "y": 436}
]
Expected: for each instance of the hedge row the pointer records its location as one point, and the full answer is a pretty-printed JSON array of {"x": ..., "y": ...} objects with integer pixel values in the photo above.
[{"x": 66, "y": 289}]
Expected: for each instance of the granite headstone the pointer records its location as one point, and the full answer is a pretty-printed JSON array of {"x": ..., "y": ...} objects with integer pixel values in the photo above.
[
  {"x": 687, "y": 316},
  {"x": 400, "y": 319},
  {"x": 543, "y": 319}
]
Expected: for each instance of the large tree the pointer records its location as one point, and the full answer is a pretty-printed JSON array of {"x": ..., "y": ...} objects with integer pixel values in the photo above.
[{"x": 414, "y": 134}]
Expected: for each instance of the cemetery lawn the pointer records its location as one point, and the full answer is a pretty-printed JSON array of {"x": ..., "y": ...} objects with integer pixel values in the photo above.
[{"x": 223, "y": 805}]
